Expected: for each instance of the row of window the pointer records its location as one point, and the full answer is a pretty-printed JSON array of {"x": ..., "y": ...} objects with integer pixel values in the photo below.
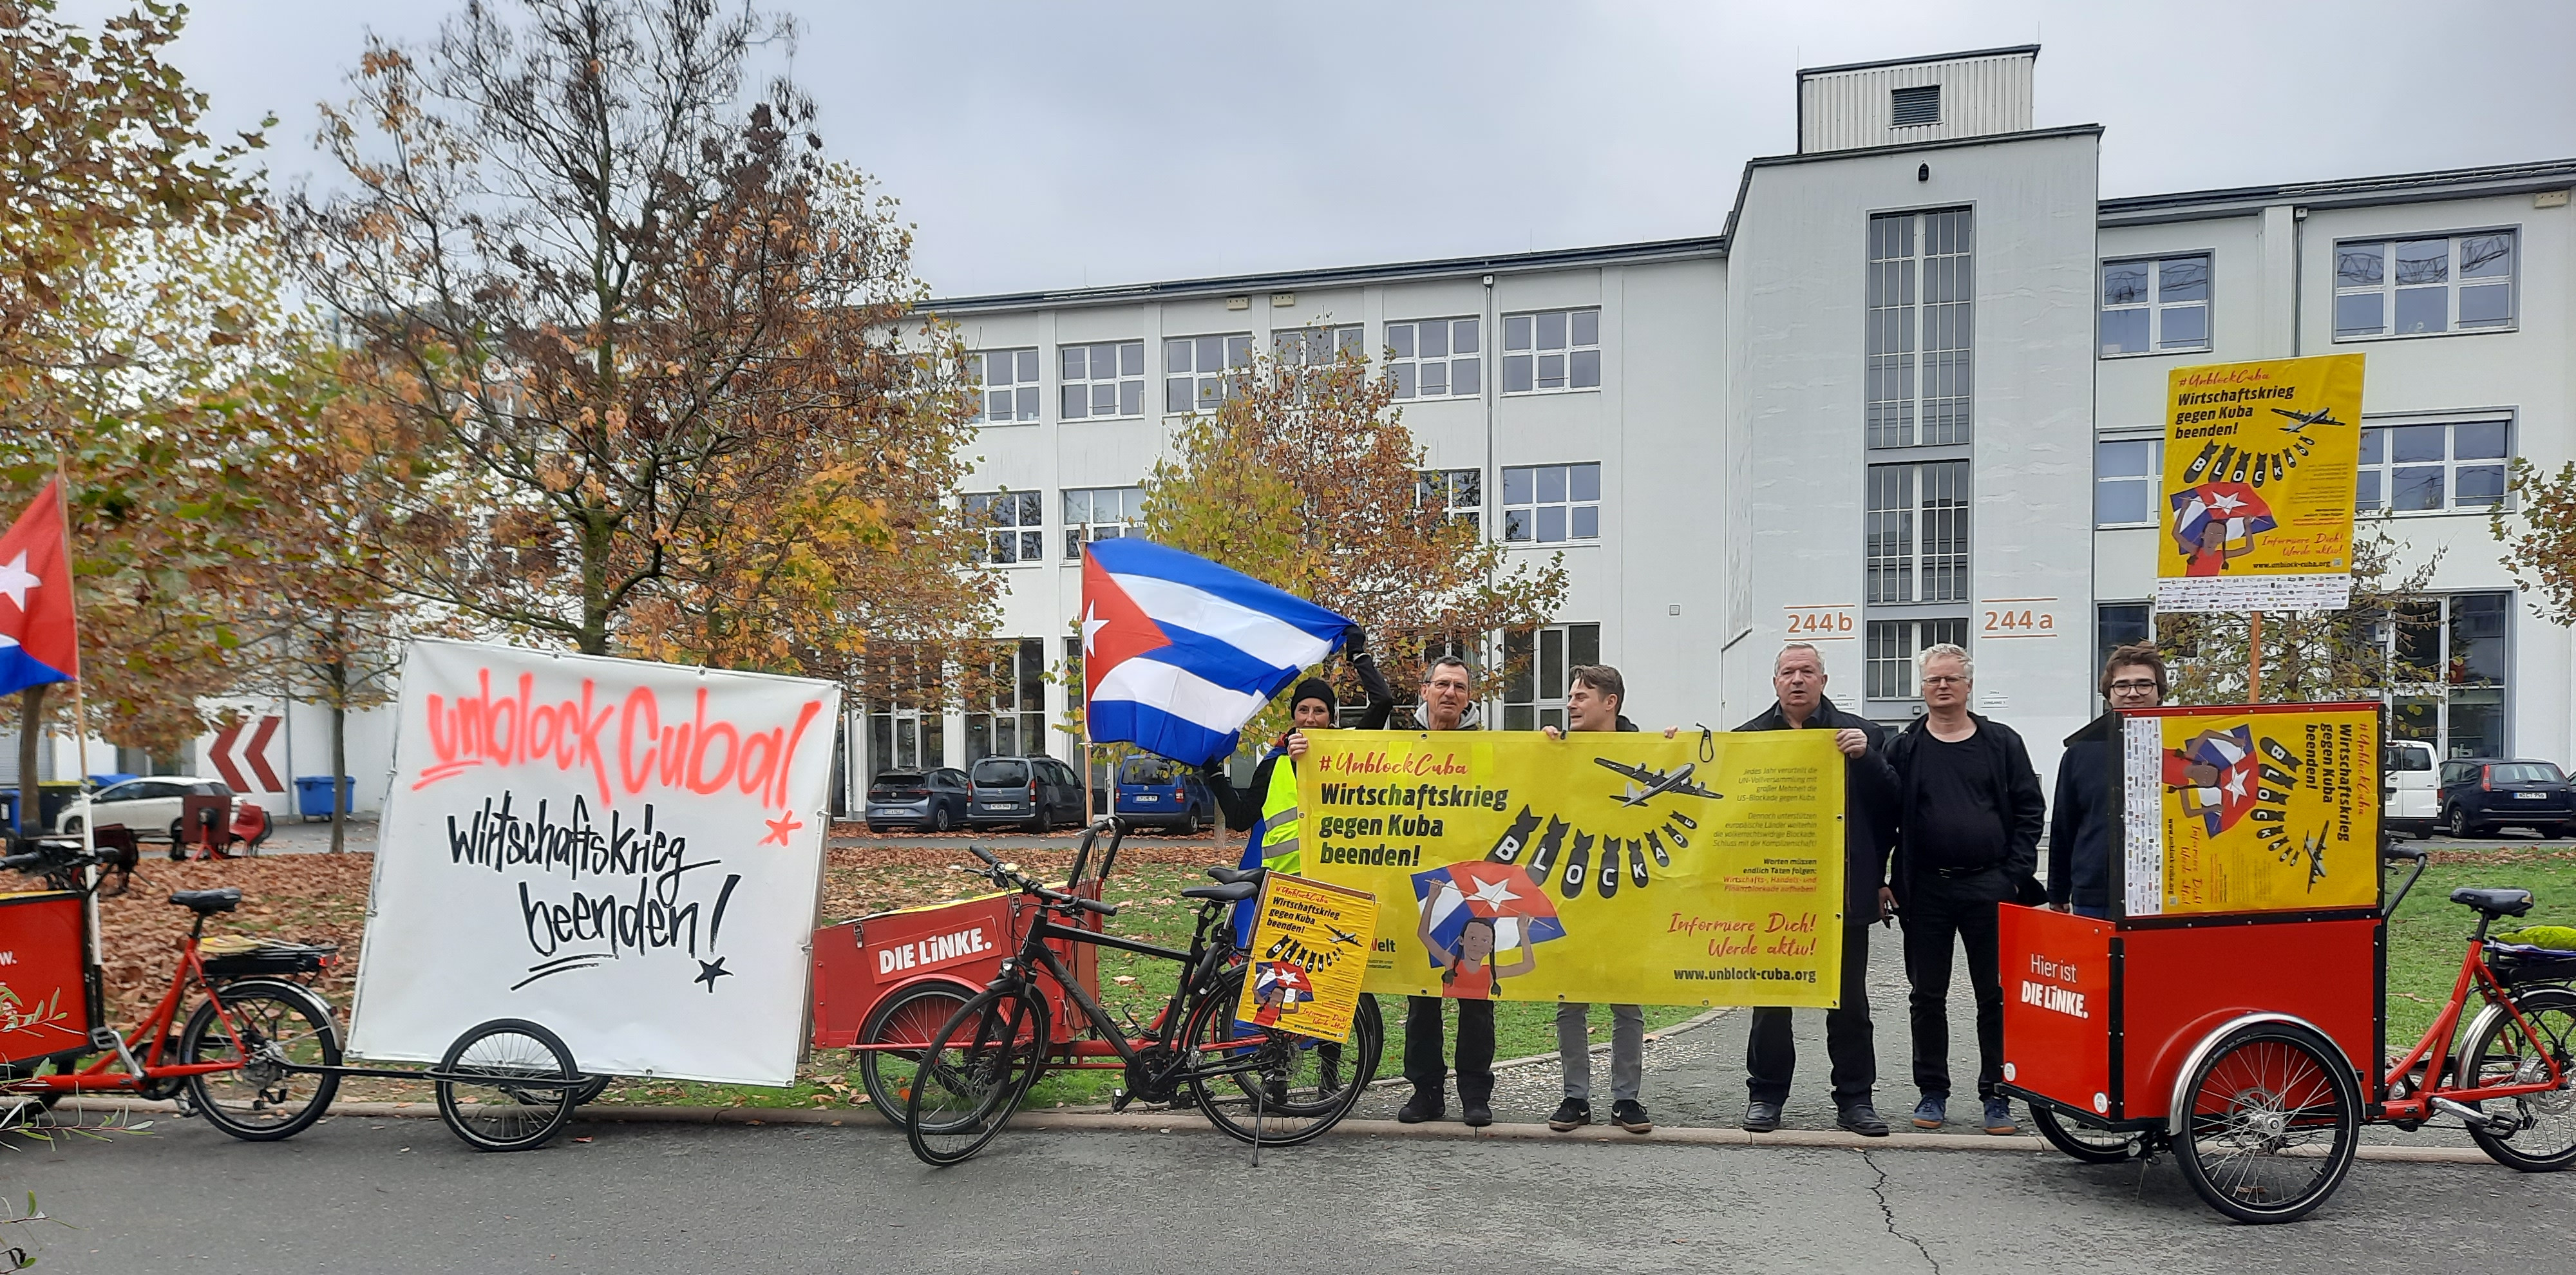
[
  {"x": 1544, "y": 352},
  {"x": 1542, "y": 504},
  {"x": 2382, "y": 288},
  {"x": 2404, "y": 468}
]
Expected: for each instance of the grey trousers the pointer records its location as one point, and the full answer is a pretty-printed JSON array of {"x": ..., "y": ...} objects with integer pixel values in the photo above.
[{"x": 1627, "y": 1049}]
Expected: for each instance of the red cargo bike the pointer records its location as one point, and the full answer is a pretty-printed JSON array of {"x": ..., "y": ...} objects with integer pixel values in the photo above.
[{"x": 2251, "y": 1043}]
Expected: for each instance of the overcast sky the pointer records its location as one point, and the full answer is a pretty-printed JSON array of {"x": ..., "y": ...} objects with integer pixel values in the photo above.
[{"x": 1043, "y": 145}]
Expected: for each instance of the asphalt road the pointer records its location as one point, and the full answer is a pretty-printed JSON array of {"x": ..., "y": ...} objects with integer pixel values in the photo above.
[{"x": 401, "y": 1196}]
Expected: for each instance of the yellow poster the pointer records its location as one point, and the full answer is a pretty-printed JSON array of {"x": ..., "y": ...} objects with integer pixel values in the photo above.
[
  {"x": 1628, "y": 868},
  {"x": 1309, "y": 955},
  {"x": 2260, "y": 808},
  {"x": 2257, "y": 502}
]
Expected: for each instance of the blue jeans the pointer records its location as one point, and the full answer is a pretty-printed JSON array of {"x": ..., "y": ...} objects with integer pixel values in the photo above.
[{"x": 2098, "y": 914}]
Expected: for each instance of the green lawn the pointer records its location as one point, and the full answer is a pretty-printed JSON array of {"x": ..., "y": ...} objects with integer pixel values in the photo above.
[{"x": 2430, "y": 933}]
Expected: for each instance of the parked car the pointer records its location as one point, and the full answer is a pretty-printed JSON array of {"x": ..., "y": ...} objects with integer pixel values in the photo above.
[
  {"x": 149, "y": 804},
  {"x": 2406, "y": 778},
  {"x": 2481, "y": 794},
  {"x": 931, "y": 800},
  {"x": 1154, "y": 792},
  {"x": 1040, "y": 792}
]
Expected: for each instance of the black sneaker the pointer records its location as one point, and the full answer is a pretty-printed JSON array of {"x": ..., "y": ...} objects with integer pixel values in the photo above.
[
  {"x": 1423, "y": 1105},
  {"x": 1571, "y": 1114},
  {"x": 1476, "y": 1114},
  {"x": 1629, "y": 1114}
]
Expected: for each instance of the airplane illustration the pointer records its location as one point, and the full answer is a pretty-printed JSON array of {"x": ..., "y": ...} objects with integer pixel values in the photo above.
[
  {"x": 1657, "y": 783},
  {"x": 1345, "y": 936},
  {"x": 2315, "y": 844},
  {"x": 2321, "y": 416}
]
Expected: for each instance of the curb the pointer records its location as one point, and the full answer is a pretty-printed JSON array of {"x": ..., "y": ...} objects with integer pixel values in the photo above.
[{"x": 1152, "y": 1122}]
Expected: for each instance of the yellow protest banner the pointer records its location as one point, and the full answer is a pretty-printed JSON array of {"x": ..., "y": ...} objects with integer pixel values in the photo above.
[
  {"x": 1628, "y": 868},
  {"x": 1309, "y": 956},
  {"x": 2251, "y": 808},
  {"x": 2258, "y": 485}
]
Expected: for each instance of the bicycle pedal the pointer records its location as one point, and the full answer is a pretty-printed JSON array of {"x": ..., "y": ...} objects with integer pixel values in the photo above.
[{"x": 1119, "y": 1099}]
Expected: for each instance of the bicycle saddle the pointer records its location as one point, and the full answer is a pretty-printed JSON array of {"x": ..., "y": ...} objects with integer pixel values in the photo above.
[
  {"x": 208, "y": 902},
  {"x": 1231, "y": 876},
  {"x": 2494, "y": 902},
  {"x": 1234, "y": 893}
]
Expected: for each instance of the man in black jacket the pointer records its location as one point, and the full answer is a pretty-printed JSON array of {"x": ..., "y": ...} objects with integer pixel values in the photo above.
[
  {"x": 2084, "y": 820},
  {"x": 1969, "y": 814},
  {"x": 1869, "y": 802}
]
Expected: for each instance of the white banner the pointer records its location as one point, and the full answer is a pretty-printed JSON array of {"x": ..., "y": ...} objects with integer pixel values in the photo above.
[{"x": 626, "y": 853}]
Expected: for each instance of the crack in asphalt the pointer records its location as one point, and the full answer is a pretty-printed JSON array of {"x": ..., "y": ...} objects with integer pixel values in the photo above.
[{"x": 1878, "y": 1189}]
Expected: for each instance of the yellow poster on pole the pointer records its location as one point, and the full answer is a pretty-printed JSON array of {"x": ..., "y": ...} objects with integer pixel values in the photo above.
[
  {"x": 2258, "y": 488},
  {"x": 1309, "y": 956},
  {"x": 2251, "y": 808},
  {"x": 1618, "y": 867}
]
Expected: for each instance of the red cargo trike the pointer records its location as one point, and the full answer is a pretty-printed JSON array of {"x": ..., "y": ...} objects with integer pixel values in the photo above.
[{"x": 2251, "y": 1043}]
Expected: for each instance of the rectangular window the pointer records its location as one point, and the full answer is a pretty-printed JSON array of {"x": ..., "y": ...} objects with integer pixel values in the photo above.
[
  {"x": 1919, "y": 364},
  {"x": 1917, "y": 532},
  {"x": 1006, "y": 383},
  {"x": 2450, "y": 665},
  {"x": 1436, "y": 358},
  {"x": 1460, "y": 491},
  {"x": 1315, "y": 347},
  {"x": 1893, "y": 644},
  {"x": 1103, "y": 379},
  {"x": 2119, "y": 624},
  {"x": 1100, "y": 513},
  {"x": 1551, "y": 351},
  {"x": 1911, "y": 107},
  {"x": 2427, "y": 468},
  {"x": 1538, "y": 662},
  {"x": 2155, "y": 305},
  {"x": 2422, "y": 287},
  {"x": 1011, "y": 719},
  {"x": 1551, "y": 504},
  {"x": 2126, "y": 477},
  {"x": 1013, "y": 522},
  {"x": 904, "y": 723},
  {"x": 1201, "y": 372}
]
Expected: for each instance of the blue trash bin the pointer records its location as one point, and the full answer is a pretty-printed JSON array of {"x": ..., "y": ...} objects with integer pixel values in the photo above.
[
  {"x": 313, "y": 795},
  {"x": 9, "y": 809}
]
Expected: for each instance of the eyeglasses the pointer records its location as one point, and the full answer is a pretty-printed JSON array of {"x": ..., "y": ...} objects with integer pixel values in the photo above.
[
  {"x": 1945, "y": 680},
  {"x": 2134, "y": 686}
]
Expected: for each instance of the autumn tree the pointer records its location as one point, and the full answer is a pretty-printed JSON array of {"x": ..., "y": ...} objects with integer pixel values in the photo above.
[
  {"x": 2538, "y": 531},
  {"x": 2309, "y": 656},
  {"x": 658, "y": 347},
  {"x": 133, "y": 309},
  {"x": 1304, "y": 476}
]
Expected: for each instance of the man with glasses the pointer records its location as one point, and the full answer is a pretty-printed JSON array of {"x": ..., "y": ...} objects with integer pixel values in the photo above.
[
  {"x": 2084, "y": 821},
  {"x": 1969, "y": 812},
  {"x": 1448, "y": 698}
]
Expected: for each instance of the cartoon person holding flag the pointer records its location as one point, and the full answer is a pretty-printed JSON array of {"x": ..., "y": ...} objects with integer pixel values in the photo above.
[
  {"x": 1474, "y": 909},
  {"x": 2217, "y": 521}
]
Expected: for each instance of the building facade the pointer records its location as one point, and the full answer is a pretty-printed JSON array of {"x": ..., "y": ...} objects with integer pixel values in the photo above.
[{"x": 1910, "y": 392}]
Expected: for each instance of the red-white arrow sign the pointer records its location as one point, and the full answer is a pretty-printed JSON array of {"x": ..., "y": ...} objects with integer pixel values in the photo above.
[{"x": 255, "y": 753}]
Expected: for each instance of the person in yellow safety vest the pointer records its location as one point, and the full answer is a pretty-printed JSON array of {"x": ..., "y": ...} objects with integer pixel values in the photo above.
[{"x": 1267, "y": 808}]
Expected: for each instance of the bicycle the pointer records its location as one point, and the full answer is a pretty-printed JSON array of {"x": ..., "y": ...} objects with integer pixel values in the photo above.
[
  {"x": 1258, "y": 1084},
  {"x": 261, "y": 1056}
]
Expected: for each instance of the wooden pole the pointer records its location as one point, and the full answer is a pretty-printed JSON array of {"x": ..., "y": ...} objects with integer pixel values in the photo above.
[
  {"x": 2254, "y": 658},
  {"x": 80, "y": 724}
]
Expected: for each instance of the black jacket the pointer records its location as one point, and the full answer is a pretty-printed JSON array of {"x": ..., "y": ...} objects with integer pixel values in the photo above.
[
  {"x": 1869, "y": 805},
  {"x": 1242, "y": 806},
  {"x": 2016, "y": 786},
  {"x": 2084, "y": 820}
]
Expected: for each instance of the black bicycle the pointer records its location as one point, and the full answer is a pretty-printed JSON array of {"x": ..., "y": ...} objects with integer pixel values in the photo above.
[{"x": 1259, "y": 1084}]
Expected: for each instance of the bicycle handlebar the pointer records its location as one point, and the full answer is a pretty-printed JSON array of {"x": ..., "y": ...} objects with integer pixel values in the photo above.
[
  {"x": 2390, "y": 850},
  {"x": 1002, "y": 875}
]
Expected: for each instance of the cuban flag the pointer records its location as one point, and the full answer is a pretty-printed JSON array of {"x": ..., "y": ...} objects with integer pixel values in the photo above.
[
  {"x": 1178, "y": 652},
  {"x": 2235, "y": 505},
  {"x": 1500, "y": 892},
  {"x": 2226, "y": 787},
  {"x": 37, "y": 643}
]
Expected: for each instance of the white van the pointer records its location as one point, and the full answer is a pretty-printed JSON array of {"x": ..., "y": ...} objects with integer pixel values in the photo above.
[{"x": 2406, "y": 781}]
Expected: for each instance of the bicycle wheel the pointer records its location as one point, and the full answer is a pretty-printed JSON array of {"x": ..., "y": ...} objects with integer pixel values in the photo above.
[
  {"x": 973, "y": 1074},
  {"x": 1301, "y": 1086},
  {"x": 591, "y": 1089},
  {"x": 281, "y": 1025},
  {"x": 909, "y": 1018},
  {"x": 2084, "y": 1142},
  {"x": 507, "y": 1085},
  {"x": 2544, "y": 1134},
  {"x": 2274, "y": 1122}
]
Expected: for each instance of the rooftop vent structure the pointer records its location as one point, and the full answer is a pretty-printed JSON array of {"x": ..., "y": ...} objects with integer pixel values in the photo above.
[{"x": 1935, "y": 98}]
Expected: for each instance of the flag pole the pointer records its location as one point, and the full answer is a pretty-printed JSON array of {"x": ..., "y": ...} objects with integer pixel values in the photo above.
[{"x": 80, "y": 726}]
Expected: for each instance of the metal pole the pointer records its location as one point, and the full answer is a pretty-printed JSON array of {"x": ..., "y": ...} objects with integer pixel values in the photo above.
[{"x": 80, "y": 731}]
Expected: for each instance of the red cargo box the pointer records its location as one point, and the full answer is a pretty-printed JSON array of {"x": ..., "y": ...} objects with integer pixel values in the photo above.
[
  {"x": 857, "y": 964},
  {"x": 44, "y": 989}
]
